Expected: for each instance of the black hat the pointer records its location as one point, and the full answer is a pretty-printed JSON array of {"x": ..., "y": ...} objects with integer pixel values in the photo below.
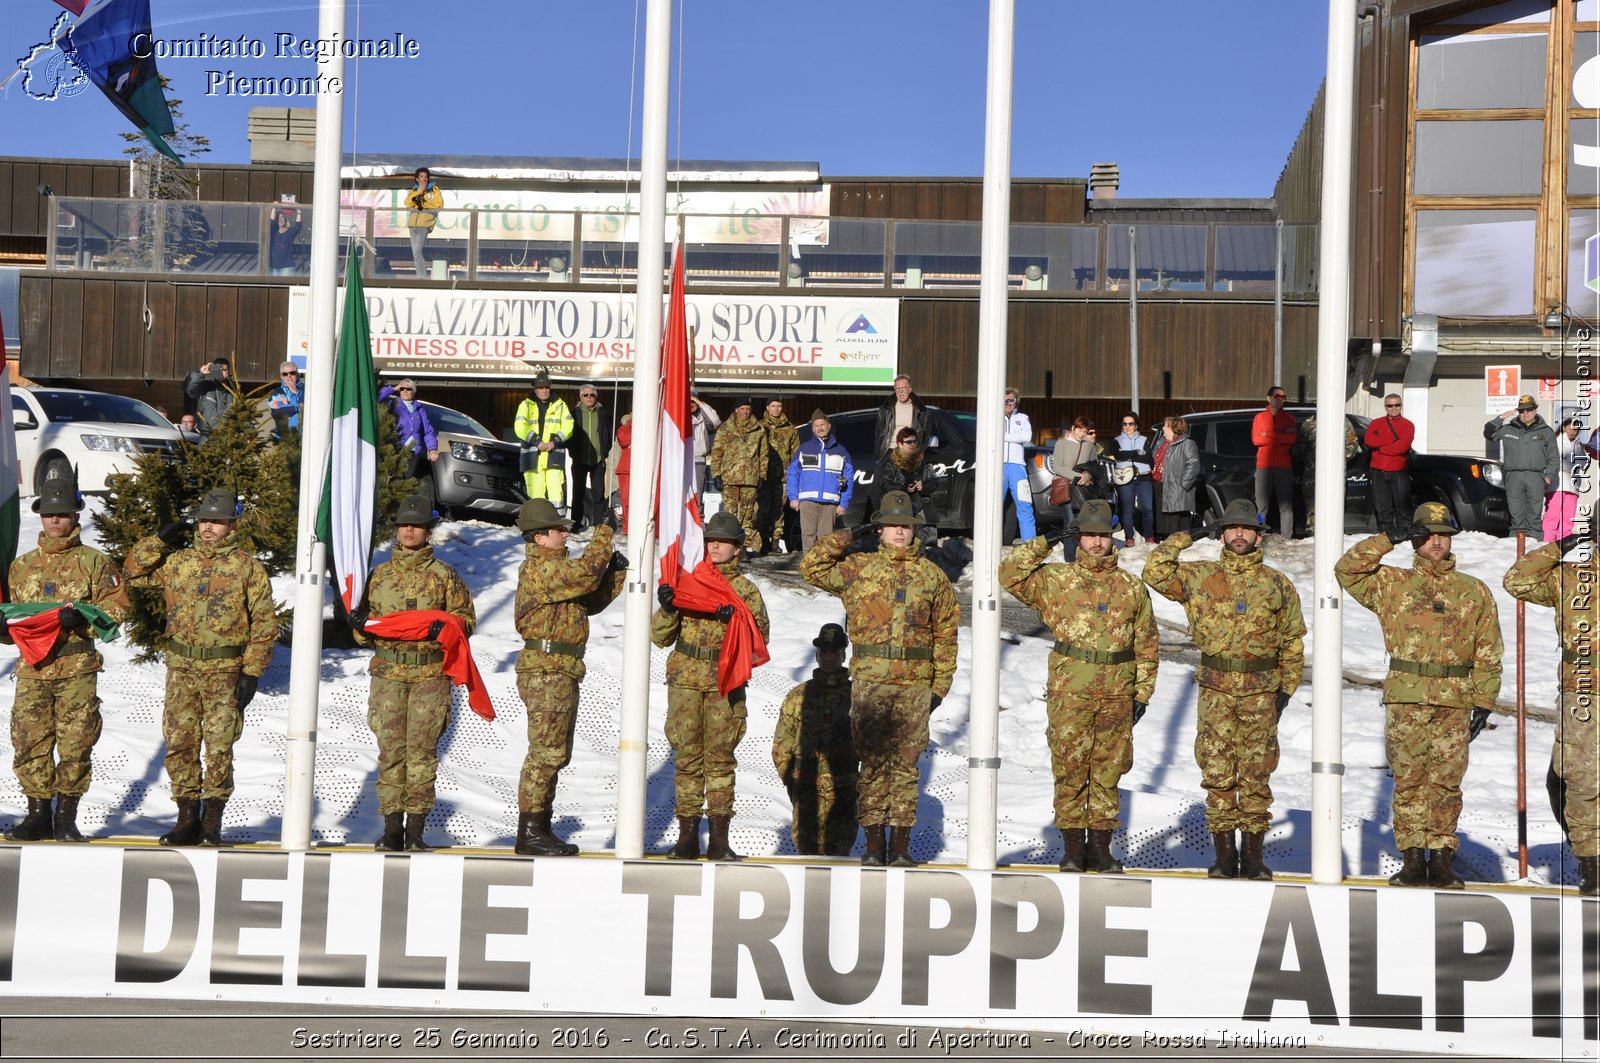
[
  {"x": 416, "y": 510},
  {"x": 724, "y": 526},
  {"x": 57, "y": 497},
  {"x": 219, "y": 503},
  {"x": 831, "y": 637},
  {"x": 541, "y": 379},
  {"x": 742, "y": 400}
]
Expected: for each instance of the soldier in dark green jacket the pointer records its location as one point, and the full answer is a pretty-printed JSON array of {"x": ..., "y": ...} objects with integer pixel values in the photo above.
[{"x": 1530, "y": 459}]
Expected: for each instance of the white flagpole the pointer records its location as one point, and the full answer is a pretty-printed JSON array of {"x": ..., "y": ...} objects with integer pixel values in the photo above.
[
  {"x": 305, "y": 658},
  {"x": 639, "y": 592}
]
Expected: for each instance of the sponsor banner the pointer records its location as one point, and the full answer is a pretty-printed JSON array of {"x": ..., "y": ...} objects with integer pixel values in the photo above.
[
  {"x": 718, "y": 217},
  {"x": 773, "y": 339},
  {"x": 1147, "y": 962}
]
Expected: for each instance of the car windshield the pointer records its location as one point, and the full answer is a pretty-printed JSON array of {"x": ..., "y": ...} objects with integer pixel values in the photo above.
[
  {"x": 447, "y": 420},
  {"x": 965, "y": 426},
  {"x": 92, "y": 406}
]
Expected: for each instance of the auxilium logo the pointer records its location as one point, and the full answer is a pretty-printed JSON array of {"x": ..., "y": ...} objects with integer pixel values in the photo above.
[{"x": 48, "y": 72}]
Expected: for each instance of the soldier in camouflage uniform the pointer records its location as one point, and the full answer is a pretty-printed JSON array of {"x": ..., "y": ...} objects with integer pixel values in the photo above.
[
  {"x": 1442, "y": 630},
  {"x": 1102, "y": 673},
  {"x": 777, "y": 519},
  {"x": 902, "y": 616},
  {"x": 1245, "y": 619},
  {"x": 1569, "y": 588},
  {"x": 556, "y": 596},
  {"x": 56, "y": 705},
  {"x": 221, "y": 627},
  {"x": 739, "y": 458},
  {"x": 408, "y": 702},
  {"x": 815, "y": 758},
  {"x": 703, "y": 725}
]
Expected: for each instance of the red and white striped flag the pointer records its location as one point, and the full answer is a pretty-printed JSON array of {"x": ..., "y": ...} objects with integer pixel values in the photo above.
[{"x": 697, "y": 585}]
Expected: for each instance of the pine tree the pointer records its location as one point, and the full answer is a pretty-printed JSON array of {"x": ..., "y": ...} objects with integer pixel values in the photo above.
[{"x": 171, "y": 233}]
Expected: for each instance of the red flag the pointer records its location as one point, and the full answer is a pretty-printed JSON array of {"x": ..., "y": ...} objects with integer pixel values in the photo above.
[
  {"x": 74, "y": 6},
  {"x": 412, "y": 626},
  {"x": 36, "y": 635},
  {"x": 695, "y": 581}
]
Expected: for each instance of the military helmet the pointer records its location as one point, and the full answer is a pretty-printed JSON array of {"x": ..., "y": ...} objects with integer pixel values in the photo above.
[
  {"x": 896, "y": 509},
  {"x": 1527, "y": 402},
  {"x": 219, "y": 503},
  {"x": 1240, "y": 513},
  {"x": 416, "y": 510},
  {"x": 58, "y": 497},
  {"x": 831, "y": 637},
  {"x": 1435, "y": 516},
  {"x": 725, "y": 527},
  {"x": 1096, "y": 518},
  {"x": 541, "y": 379},
  {"x": 540, "y": 514}
]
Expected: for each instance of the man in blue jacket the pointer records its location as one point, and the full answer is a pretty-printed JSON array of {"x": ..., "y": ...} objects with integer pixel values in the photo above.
[{"x": 820, "y": 481}]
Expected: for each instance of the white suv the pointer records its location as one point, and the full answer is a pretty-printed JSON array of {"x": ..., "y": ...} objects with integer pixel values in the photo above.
[{"x": 62, "y": 429}]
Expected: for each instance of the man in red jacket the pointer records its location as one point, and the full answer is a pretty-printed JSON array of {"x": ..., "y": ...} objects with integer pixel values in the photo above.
[
  {"x": 1389, "y": 439},
  {"x": 1274, "y": 432}
]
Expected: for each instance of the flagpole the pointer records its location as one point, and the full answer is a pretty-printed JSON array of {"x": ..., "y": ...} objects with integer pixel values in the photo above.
[
  {"x": 305, "y": 657},
  {"x": 639, "y": 592}
]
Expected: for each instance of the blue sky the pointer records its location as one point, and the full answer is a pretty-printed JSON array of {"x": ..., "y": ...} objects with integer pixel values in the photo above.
[{"x": 1191, "y": 99}]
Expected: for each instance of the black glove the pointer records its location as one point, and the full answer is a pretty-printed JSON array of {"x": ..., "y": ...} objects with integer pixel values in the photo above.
[
  {"x": 173, "y": 532},
  {"x": 4, "y": 624},
  {"x": 70, "y": 619},
  {"x": 611, "y": 520},
  {"x": 863, "y": 531},
  {"x": 244, "y": 691},
  {"x": 1567, "y": 542},
  {"x": 1282, "y": 698},
  {"x": 725, "y": 614},
  {"x": 1480, "y": 720},
  {"x": 933, "y": 704},
  {"x": 358, "y": 617},
  {"x": 1139, "y": 709},
  {"x": 1404, "y": 533},
  {"x": 619, "y": 562},
  {"x": 666, "y": 595},
  {"x": 434, "y": 630}
]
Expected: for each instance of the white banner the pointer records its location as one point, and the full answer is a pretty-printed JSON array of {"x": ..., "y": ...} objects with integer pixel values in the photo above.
[
  {"x": 768, "y": 339},
  {"x": 1145, "y": 962}
]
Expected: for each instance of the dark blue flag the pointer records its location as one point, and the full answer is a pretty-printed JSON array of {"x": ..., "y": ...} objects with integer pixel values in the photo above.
[{"x": 101, "y": 43}]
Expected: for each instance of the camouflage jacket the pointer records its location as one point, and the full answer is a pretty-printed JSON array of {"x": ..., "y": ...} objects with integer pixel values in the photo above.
[
  {"x": 413, "y": 579},
  {"x": 783, "y": 439},
  {"x": 1239, "y": 609},
  {"x": 671, "y": 627},
  {"x": 1090, "y": 604},
  {"x": 64, "y": 570},
  {"x": 1569, "y": 589},
  {"x": 739, "y": 455},
  {"x": 1432, "y": 615},
  {"x": 216, "y": 595},
  {"x": 813, "y": 733},
  {"x": 893, "y": 597},
  {"x": 556, "y": 596}
]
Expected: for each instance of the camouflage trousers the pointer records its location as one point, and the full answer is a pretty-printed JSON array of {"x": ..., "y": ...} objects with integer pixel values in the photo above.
[
  {"x": 1427, "y": 747},
  {"x": 201, "y": 712},
  {"x": 408, "y": 719},
  {"x": 1236, "y": 746},
  {"x": 552, "y": 701},
  {"x": 1091, "y": 749},
  {"x": 1576, "y": 758},
  {"x": 889, "y": 722},
  {"x": 704, "y": 727},
  {"x": 59, "y": 714},
  {"x": 824, "y": 813},
  {"x": 742, "y": 500}
]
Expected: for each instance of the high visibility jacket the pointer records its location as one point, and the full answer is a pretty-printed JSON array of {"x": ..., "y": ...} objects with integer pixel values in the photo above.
[{"x": 536, "y": 423}]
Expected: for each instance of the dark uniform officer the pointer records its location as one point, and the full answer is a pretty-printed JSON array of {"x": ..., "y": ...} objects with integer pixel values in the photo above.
[{"x": 814, "y": 755}]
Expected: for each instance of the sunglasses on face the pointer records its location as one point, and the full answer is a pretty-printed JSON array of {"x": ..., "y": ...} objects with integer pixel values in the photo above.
[
  {"x": 1130, "y": 424},
  {"x": 406, "y": 391},
  {"x": 1391, "y": 405},
  {"x": 292, "y": 372}
]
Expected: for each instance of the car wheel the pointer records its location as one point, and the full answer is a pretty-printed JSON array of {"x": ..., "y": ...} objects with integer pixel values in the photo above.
[{"x": 53, "y": 468}]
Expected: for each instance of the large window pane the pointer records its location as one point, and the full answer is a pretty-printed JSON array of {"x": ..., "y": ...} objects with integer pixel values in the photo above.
[
  {"x": 1483, "y": 70},
  {"x": 1582, "y": 300},
  {"x": 1065, "y": 254},
  {"x": 1479, "y": 158},
  {"x": 1525, "y": 11},
  {"x": 1585, "y": 70},
  {"x": 1583, "y": 175},
  {"x": 937, "y": 254},
  {"x": 1474, "y": 263},
  {"x": 1170, "y": 257}
]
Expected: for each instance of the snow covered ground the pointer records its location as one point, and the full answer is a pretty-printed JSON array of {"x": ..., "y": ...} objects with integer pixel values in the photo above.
[{"x": 1162, "y": 800}]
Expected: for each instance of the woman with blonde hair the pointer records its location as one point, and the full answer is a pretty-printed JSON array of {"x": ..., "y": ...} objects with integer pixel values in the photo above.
[{"x": 1176, "y": 469}]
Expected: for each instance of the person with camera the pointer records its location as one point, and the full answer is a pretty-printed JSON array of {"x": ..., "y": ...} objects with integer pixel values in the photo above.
[
  {"x": 213, "y": 394},
  {"x": 819, "y": 481},
  {"x": 1130, "y": 471},
  {"x": 424, "y": 200}
]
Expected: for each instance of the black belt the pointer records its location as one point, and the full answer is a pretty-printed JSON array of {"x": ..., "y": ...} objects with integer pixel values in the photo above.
[
  {"x": 894, "y": 653},
  {"x": 205, "y": 653},
  {"x": 570, "y": 649},
  {"x": 1094, "y": 656},
  {"x": 384, "y": 653},
  {"x": 1430, "y": 671},
  {"x": 699, "y": 653},
  {"x": 1238, "y": 664},
  {"x": 1587, "y": 660},
  {"x": 72, "y": 649}
]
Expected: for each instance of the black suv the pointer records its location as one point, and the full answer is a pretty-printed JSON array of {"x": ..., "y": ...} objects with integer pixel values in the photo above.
[{"x": 1473, "y": 488}]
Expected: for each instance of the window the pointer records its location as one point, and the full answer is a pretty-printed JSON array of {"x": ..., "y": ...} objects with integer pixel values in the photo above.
[{"x": 92, "y": 406}]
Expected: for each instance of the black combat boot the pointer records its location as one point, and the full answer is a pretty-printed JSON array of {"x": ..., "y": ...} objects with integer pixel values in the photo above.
[
  {"x": 1072, "y": 843},
  {"x": 66, "y": 824},
  {"x": 187, "y": 830},
  {"x": 211, "y": 823},
  {"x": 688, "y": 847},
  {"x": 717, "y": 847},
  {"x": 416, "y": 823},
  {"x": 1251, "y": 865},
  {"x": 35, "y": 826},
  {"x": 873, "y": 857},
  {"x": 534, "y": 837},
  {"x": 1227, "y": 862},
  {"x": 900, "y": 847},
  {"x": 1098, "y": 856},
  {"x": 1413, "y": 868},
  {"x": 394, "y": 833},
  {"x": 1589, "y": 876},
  {"x": 1440, "y": 874}
]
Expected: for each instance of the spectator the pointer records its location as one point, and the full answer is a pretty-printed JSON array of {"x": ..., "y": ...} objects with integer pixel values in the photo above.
[
  {"x": 704, "y": 422},
  {"x": 1130, "y": 453},
  {"x": 1389, "y": 438},
  {"x": 213, "y": 393},
  {"x": 773, "y": 515},
  {"x": 284, "y": 400},
  {"x": 591, "y": 442},
  {"x": 415, "y": 434},
  {"x": 820, "y": 481},
  {"x": 424, "y": 199},
  {"x": 189, "y": 427},
  {"x": 1274, "y": 433},
  {"x": 286, "y": 228},
  {"x": 1528, "y": 453},
  {"x": 544, "y": 424},
  {"x": 1018, "y": 433},
  {"x": 1074, "y": 457},
  {"x": 624, "y": 463},
  {"x": 1562, "y": 502},
  {"x": 905, "y": 410},
  {"x": 1176, "y": 470},
  {"x": 905, "y": 469}
]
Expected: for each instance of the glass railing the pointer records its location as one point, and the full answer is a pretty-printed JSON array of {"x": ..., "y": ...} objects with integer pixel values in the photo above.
[{"x": 734, "y": 250}]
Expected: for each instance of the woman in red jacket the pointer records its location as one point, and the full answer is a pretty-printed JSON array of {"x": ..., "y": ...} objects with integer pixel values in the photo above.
[{"x": 624, "y": 461}]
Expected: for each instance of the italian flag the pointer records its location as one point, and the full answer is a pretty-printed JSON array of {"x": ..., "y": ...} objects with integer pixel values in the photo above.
[{"x": 10, "y": 504}]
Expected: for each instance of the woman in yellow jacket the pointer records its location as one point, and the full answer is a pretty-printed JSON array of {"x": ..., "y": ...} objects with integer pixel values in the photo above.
[
  {"x": 424, "y": 199},
  {"x": 544, "y": 424}
]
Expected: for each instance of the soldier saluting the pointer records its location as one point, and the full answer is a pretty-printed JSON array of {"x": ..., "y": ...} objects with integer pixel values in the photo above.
[
  {"x": 221, "y": 627},
  {"x": 1102, "y": 673},
  {"x": 1442, "y": 630},
  {"x": 1245, "y": 618},
  {"x": 814, "y": 754}
]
